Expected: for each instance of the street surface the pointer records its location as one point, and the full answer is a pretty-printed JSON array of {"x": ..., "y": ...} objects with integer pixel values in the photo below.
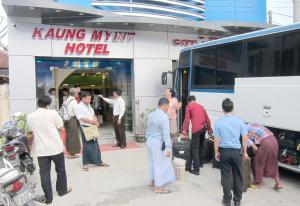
[{"x": 125, "y": 183}]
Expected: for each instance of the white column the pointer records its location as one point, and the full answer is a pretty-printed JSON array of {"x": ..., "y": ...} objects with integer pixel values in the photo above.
[{"x": 296, "y": 10}]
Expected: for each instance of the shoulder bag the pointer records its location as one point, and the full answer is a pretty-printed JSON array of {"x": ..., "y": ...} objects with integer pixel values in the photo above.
[{"x": 90, "y": 132}]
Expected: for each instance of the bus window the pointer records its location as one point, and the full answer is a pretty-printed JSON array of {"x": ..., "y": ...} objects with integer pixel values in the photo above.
[
  {"x": 184, "y": 59},
  {"x": 229, "y": 65},
  {"x": 264, "y": 56},
  {"x": 204, "y": 73},
  {"x": 290, "y": 65}
]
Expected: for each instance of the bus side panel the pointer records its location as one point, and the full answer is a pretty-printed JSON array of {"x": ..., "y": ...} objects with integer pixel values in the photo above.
[
  {"x": 271, "y": 101},
  {"x": 212, "y": 102}
]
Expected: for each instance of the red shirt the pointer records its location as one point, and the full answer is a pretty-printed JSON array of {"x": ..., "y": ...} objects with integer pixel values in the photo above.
[{"x": 198, "y": 115}]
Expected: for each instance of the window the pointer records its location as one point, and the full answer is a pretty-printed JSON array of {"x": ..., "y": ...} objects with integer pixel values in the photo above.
[
  {"x": 290, "y": 65},
  {"x": 204, "y": 74},
  {"x": 217, "y": 68},
  {"x": 263, "y": 56},
  {"x": 229, "y": 64},
  {"x": 184, "y": 60}
]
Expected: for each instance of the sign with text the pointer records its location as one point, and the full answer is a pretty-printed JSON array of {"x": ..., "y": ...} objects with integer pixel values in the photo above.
[
  {"x": 95, "y": 43},
  {"x": 190, "y": 42}
]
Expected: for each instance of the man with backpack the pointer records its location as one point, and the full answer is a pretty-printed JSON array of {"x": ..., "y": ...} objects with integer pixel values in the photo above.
[{"x": 67, "y": 112}]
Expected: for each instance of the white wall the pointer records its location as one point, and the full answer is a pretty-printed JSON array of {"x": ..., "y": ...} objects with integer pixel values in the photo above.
[{"x": 152, "y": 53}]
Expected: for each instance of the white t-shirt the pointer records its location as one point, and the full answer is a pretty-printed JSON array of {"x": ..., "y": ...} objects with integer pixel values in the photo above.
[
  {"x": 84, "y": 111},
  {"x": 44, "y": 124},
  {"x": 71, "y": 106},
  {"x": 119, "y": 106}
]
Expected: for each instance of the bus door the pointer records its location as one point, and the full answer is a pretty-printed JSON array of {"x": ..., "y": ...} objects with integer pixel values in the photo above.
[{"x": 182, "y": 87}]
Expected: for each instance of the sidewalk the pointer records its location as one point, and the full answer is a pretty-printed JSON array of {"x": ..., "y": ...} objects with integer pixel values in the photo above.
[{"x": 125, "y": 183}]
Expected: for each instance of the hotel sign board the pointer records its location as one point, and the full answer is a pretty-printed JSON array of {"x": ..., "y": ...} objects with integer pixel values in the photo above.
[{"x": 75, "y": 39}]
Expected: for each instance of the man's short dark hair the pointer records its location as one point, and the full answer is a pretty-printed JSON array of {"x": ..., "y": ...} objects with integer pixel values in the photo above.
[
  {"x": 191, "y": 98},
  {"x": 85, "y": 94},
  {"x": 65, "y": 90},
  {"x": 118, "y": 91},
  {"x": 227, "y": 105},
  {"x": 51, "y": 90},
  {"x": 163, "y": 101},
  {"x": 76, "y": 86},
  {"x": 44, "y": 101}
]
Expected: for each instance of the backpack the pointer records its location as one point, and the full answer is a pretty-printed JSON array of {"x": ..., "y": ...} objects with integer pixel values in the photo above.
[{"x": 63, "y": 111}]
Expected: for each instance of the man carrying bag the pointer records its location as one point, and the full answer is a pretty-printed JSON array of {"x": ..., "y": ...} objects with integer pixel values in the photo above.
[
  {"x": 89, "y": 132},
  {"x": 197, "y": 114}
]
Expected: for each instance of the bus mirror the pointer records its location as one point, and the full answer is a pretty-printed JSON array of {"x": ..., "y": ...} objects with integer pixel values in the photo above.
[{"x": 164, "y": 78}]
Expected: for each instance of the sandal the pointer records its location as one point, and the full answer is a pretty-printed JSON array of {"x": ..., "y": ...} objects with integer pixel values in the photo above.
[
  {"x": 278, "y": 187},
  {"x": 103, "y": 165},
  {"x": 72, "y": 156},
  {"x": 69, "y": 189},
  {"x": 162, "y": 191},
  {"x": 85, "y": 168},
  {"x": 151, "y": 184}
]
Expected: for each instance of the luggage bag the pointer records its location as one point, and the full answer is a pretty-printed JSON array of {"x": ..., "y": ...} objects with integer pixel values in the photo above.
[{"x": 182, "y": 148}]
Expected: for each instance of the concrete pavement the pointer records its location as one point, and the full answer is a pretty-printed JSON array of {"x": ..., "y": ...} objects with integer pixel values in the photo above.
[{"x": 125, "y": 183}]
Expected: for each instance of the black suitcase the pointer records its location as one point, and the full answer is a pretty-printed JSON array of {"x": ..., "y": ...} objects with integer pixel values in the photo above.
[
  {"x": 246, "y": 174},
  {"x": 182, "y": 148},
  {"x": 208, "y": 150}
]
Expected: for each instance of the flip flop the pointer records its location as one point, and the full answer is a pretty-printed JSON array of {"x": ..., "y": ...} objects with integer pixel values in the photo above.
[
  {"x": 163, "y": 191},
  {"x": 103, "y": 165},
  {"x": 73, "y": 157},
  {"x": 86, "y": 169},
  {"x": 277, "y": 187},
  {"x": 151, "y": 184}
]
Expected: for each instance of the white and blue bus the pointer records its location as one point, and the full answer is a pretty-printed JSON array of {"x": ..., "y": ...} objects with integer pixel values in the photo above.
[{"x": 259, "y": 71}]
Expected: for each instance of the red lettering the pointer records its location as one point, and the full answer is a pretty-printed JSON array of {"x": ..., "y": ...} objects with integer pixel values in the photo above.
[
  {"x": 119, "y": 37},
  {"x": 70, "y": 34},
  {"x": 107, "y": 35},
  {"x": 176, "y": 42},
  {"x": 98, "y": 49},
  {"x": 59, "y": 35},
  {"x": 96, "y": 36},
  {"x": 37, "y": 33},
  {"x": 116, "y": 36},
  {"x": 101, "y": 49},
  {"x": 89, "y": 48},
  {"x": 50, "y": 34},
  {"x": 70, "y": 48},
  {"x": 105, "y": 51},
  {"x": 194, "y": 42},
  {"x": 80, "y": 48},
  {"x": 213, "y": 38},
  {"x": 80, "y": 35},
  {"x": 130, "y": 36}
]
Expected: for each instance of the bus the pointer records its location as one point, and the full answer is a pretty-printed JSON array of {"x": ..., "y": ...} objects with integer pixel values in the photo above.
[{"x": 260, "y": 72}]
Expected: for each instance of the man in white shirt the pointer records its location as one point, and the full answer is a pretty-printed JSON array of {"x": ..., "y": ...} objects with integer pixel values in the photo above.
[
  {"x": 72, "y": 133},
  {"x": 45, "y": 125},
  {"x": 118, "y": 117}
]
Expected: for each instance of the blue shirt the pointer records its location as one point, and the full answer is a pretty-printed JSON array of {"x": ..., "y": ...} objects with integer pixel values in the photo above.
[{"x": 230, "y": 129}]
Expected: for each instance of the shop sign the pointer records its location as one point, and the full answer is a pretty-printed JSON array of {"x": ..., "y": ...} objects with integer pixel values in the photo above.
[
  {"x": 98, "y": 40},
  {"x": 190, "y": 42}
]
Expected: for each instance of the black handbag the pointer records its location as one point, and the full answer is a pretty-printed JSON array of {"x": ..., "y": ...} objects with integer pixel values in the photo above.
[{"x": 182, "y": 148}]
